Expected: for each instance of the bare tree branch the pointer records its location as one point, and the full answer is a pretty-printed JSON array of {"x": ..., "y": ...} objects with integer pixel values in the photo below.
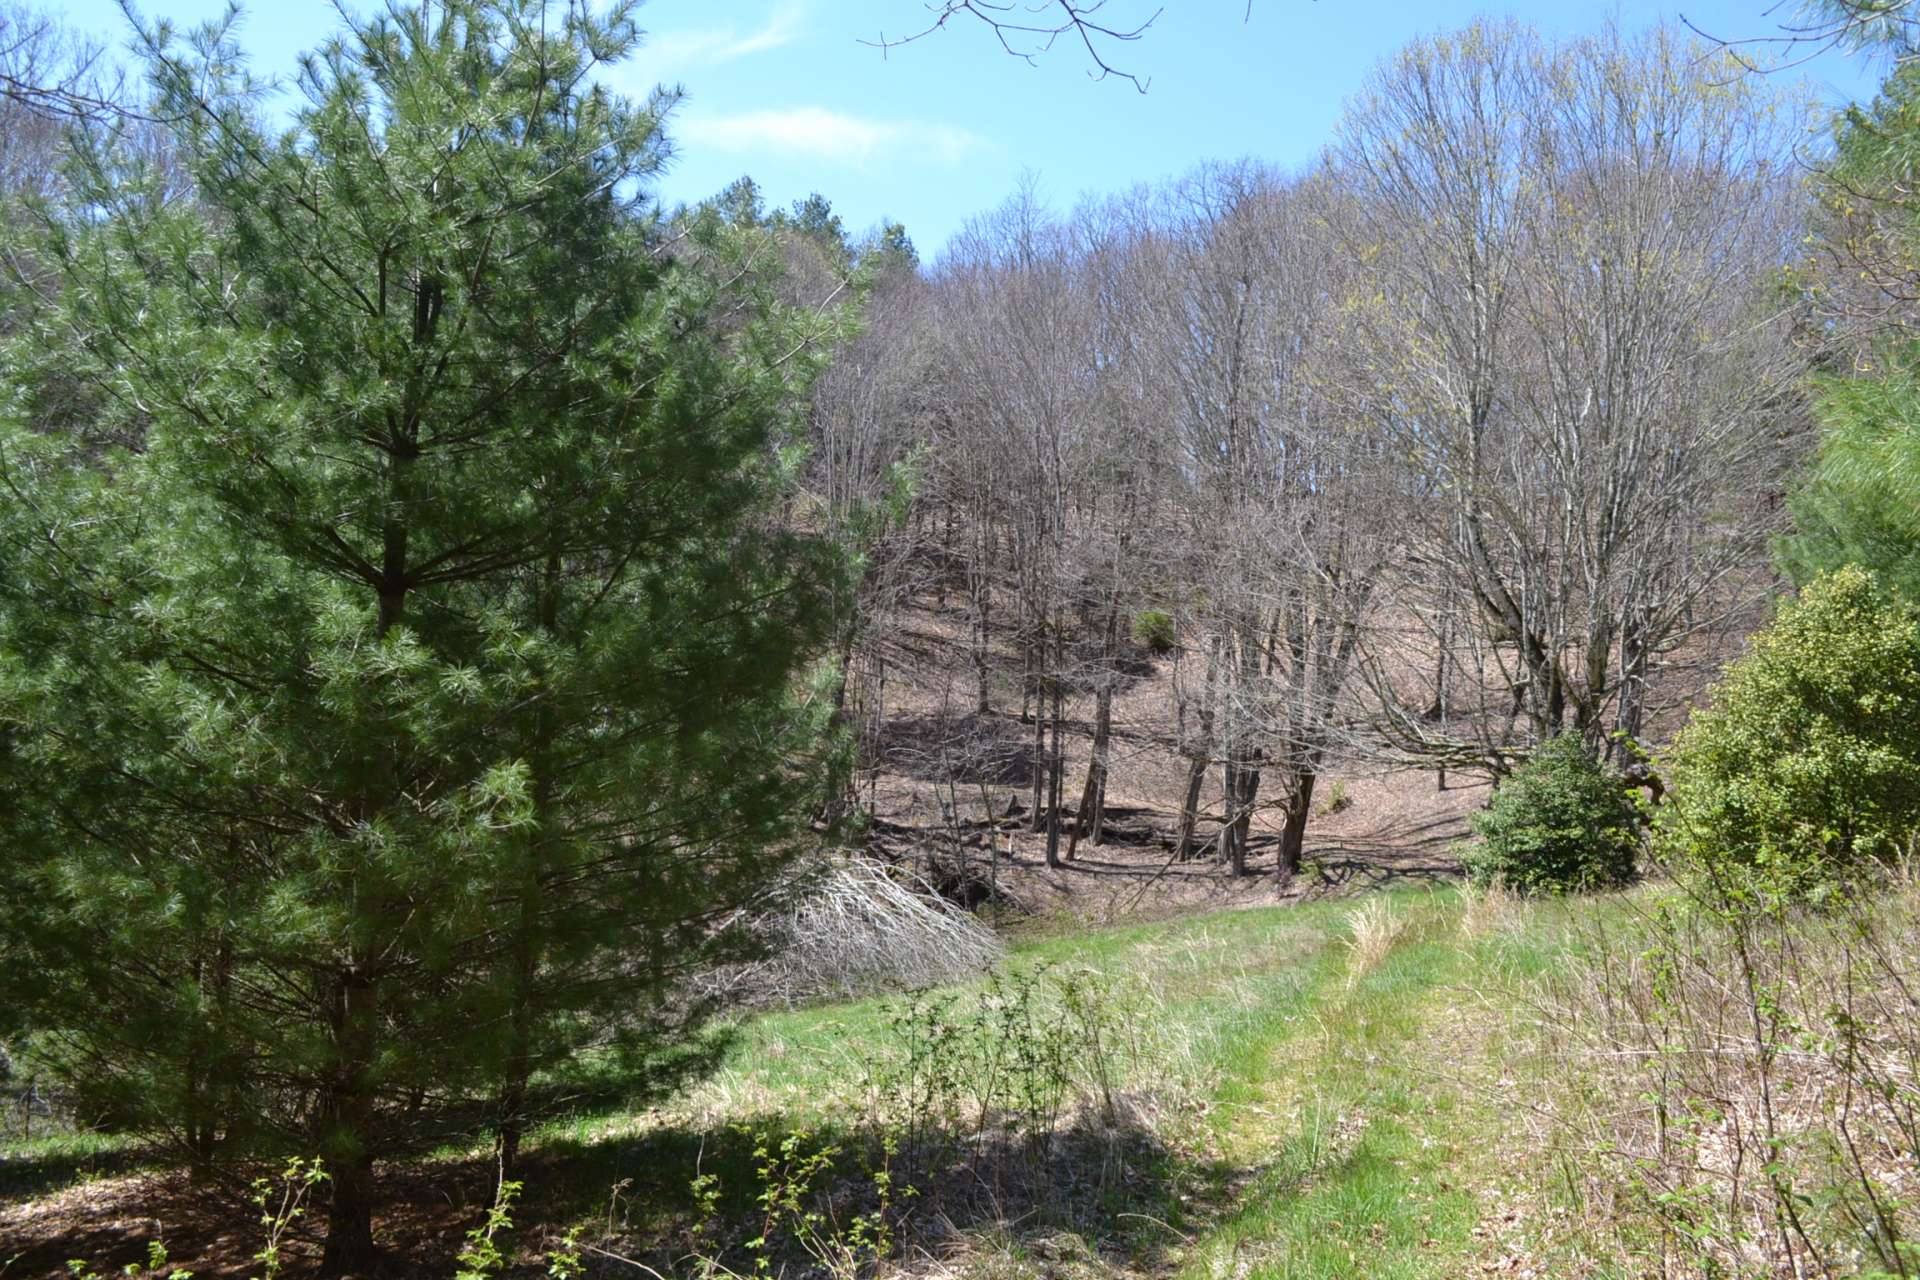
[
  {"x": 1026, "y": 31},
  {"x": 1852, "y": 26},
  {"x": 47, "y": 72}
]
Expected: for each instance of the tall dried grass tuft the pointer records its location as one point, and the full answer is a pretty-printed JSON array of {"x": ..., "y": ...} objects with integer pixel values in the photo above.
[
  {"x": 848, "y": 927},
  {"x": 1487, "y": 908},
  {"x": 1374, "y": 928}
]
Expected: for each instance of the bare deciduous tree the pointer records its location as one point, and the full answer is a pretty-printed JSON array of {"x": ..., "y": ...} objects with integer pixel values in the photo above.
[{"x": 1577, "y": 344}]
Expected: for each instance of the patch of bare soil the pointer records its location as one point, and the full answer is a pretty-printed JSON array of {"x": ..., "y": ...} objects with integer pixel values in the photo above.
[
  {"x": 217, "y": 1233},
  {"x": 952, "y": 796}
]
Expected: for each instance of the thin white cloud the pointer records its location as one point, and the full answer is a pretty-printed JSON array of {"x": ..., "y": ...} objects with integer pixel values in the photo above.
[
  {"x": 828, "y": 135},
  {"x": 708, "y": 45}
]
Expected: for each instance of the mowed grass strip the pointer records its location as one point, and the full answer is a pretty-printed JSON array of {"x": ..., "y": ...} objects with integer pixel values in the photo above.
[{"x": 1324, "y": 1060}]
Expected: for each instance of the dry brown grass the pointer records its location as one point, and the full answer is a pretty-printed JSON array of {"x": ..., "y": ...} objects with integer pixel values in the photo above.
[
  {"x": 1743, "y": 1099},
  {"x": 1487, "y": 909},
  {"x": 1374, "y": 928}
]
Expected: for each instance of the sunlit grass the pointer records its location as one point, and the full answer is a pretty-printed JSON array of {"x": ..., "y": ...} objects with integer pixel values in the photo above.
[{"x": 1313, "y": 1078}]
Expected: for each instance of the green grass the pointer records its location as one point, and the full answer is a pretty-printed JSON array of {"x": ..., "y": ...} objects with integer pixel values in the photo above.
[
  {"x": 55, "y": 1157},
  {"x": 1294, "y": 1113},
  {"x": 1316, "y": 1121}
]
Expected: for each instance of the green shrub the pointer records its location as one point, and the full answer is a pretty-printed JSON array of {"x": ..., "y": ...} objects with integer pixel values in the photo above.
[
  {"x": 1562, "y": 823},
  {"x": 1153, "y": 631},
  {"x": 1807, "y": 763}
]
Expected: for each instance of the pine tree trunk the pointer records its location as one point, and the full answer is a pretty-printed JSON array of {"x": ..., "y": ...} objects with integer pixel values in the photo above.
[
  {"x": 517, "y": 1072},
  {"x": 349, "y": 1111},
  {"x": 349, "y": 1114},
  {"x": 527, "y": 948},
  {"x": 203, "y": 1127},
  {"x": 349, "y": 1250}
]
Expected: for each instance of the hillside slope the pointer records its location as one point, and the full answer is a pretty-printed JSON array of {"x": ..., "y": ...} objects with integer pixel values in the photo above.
[{"x": 950, "y": 789}]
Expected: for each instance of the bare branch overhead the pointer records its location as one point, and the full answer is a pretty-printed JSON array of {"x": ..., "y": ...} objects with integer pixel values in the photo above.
[
  {"x": 1028, "y": 30},
  {"x": 1851, "y": 26}
]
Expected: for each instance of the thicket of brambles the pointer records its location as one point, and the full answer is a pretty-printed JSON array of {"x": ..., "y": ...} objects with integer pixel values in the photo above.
[{"x": 448, "y": 599}]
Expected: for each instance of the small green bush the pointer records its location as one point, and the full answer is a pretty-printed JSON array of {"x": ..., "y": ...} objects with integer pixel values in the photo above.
[
  {"x": 1562, "y": 823},
  {"x": 1153, "y": 631},
  {"x": 1807, "y": 764},
  {"x": 1338, "y": 800}
]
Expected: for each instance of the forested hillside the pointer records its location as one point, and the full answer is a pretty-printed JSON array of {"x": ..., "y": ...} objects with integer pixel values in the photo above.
[{"x": 1348, "y": 720}]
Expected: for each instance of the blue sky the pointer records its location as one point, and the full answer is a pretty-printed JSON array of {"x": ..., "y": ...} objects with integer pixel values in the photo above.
[{"x": 937, "y": 131}]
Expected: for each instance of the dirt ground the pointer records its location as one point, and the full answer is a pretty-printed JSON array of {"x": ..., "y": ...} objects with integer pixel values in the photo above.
[{"x": 952, "y": 795}]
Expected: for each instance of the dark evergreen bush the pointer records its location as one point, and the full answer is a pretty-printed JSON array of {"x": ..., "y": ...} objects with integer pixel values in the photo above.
[{"x": 1562, "y": 823}]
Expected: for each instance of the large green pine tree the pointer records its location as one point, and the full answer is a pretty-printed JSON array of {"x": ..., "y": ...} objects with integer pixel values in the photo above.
[
  {"x": 399, "y": 669},
  {"x": 1860, "y": 504}
]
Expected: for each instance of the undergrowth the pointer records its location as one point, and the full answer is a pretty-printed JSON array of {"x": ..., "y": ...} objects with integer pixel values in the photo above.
[{"x": 1422, "y": 1084}]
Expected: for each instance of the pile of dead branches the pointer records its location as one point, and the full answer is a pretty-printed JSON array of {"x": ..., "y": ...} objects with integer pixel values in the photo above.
[{"x": 850, "y": 926}]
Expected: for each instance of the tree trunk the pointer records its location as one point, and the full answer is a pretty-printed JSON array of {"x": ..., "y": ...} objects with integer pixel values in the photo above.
[
  {"x": 517, "y": 1074},
  {"x": 1190, "y": 807},
  {"x": 1056, "y": 766},
  {"x": 1242, "y": 787},
  {"x": 349, "y": 1250},
  {"x": 946, "y": 553},
  {"x": 349, "y": 1115},
  {"x": 1199, "y": 750},
  {"x": 527, "y": 947},
  {"x": 1039, "y": 769},
  {"x": 1293, "y": 836},
  {"x": 349, "y": 1109},
  {"x": 203, "y": 1125},
  {"x": 1440, "y": 706},
  {"x": 1092, "y": 816},
  {"x": 843, "y": 776},
  {"x": 1223, "y": 840},
  {"x": 980, "y": 584},
  {"x": 1634, "y": 651}
]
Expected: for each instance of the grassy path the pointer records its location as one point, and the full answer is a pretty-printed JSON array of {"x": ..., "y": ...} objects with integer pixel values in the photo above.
[
  {"x": 1344, "y": 1098},
  {"x": 1310, "y": 1094},
  {"x": 1365, "y": 1145}
]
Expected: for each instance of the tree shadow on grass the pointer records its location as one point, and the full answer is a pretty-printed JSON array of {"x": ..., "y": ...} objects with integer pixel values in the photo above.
[
  {"x": 1107, "y": 1178},
  {"x": 1105, "y": 1184},
  {"x": 24, "y": 1177}
]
